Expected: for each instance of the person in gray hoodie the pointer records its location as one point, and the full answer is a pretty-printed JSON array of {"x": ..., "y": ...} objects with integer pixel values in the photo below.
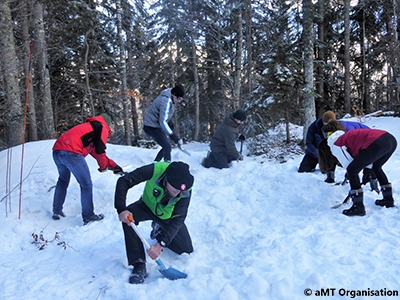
[
  {"x": 157, "y": 122},
  {"x": 222, "y": 146}
]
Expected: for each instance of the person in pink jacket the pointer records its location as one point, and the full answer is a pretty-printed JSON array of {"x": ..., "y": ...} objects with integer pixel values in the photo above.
[
  {"x": 69, "y": 152},
  {"x": 354, "y": 150}
]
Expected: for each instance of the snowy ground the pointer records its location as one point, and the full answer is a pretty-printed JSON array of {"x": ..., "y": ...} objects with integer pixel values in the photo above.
[{"x": 260, "y": 231}]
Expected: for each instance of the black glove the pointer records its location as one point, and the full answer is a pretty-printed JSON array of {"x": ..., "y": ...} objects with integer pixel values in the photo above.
[
  {"x": 102, "y": 170},
  {"x": 117, "y": 170},
  {"x": 174, "y": 138},
  {"x": 171, "y": 125},
  {"x": 330, "y": 177},
  {"x": 374, "y": 185},
  {"x": 367, "y": 175},
  {"x": 241, "y": 137}
]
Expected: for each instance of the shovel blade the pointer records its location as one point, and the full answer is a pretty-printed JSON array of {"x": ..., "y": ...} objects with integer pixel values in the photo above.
[
  {"x": 183, "y": 150},
  {"x": 173, "y": 274},
  {"x": 337, "y": 206}
]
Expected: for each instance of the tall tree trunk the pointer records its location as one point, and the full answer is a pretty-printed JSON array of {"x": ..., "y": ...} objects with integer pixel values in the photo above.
[
  {"x": 131, "y": 80},
  {"x": 364, "y": 77},
  {"x": 86, "y": 69},
  {"x": 238, "y": 61},
  {"x": 196, "y": 79},
  {"x": 42, "y": 73},
  {"x": 396, "y": 54},
  {"x": 321, "y": 101},
  {"x": 28, "y": 45},
  {"x": 132, "y": 76},
  {"x": 8, "y": 55},
  {"x": 122, "y": 68},
  {"x": 347, "y": 88},
  {"x": 249, "y": 47},
  {"x": 215, "y": 106},
  {"x": 309, "y": 103}
]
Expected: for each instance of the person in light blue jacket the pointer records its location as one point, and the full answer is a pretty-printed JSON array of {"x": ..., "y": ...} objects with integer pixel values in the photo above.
[{"x": 157, "y": 122}]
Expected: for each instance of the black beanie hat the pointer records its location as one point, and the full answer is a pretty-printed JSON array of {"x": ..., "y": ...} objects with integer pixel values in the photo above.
[
  {"x": 178, "y": 176},
  {"x": 240, "y": 115},
  {"x": 178, "y": 91}
]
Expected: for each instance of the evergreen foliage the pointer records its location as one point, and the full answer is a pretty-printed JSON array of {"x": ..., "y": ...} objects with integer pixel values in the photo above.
[{"x": 253, "y": 48}]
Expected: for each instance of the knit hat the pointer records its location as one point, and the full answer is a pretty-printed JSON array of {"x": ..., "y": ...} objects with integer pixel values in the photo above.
[
  {"x": 327, "y": 116},
  {"x": 107, "y": 118},
  {"x": 178, "y": 176},
  {"x": 240, "y": 115},
  {"x": 178, "y": 91}
]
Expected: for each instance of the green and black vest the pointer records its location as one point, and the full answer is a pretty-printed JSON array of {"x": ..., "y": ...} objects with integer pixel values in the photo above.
[{"x": 154, "y": 193}]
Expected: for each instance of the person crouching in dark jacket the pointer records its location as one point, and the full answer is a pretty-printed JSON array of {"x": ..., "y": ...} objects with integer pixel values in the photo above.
[{"x": 222, "y": 146}]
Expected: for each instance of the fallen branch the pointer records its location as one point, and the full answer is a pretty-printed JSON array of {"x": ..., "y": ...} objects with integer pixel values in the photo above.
[{"x": 41, "y": 242}]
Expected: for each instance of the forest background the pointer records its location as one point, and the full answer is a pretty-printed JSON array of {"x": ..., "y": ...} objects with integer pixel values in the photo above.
[{"x": 281, "y": 61}]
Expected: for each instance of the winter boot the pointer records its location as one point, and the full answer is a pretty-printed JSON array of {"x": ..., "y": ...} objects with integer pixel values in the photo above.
[
  {"x": 203, "y": 162},
  {"x": 138, "y": 274},
  {"x": 58, "y": 215},
  {"x": 387, "y": 196},
  {"x": 358, "y": 208},
  {"x": 205, "y": 159},
  {"x": 94, "y": 218},
  {"x": 330, "y": 177}
]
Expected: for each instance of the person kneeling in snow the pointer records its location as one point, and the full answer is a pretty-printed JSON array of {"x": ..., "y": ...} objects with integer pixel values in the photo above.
[
  {"x": 223, "y": 148},
  {"x": 315, "y": 135},
  {"x": 355, "y": 150},
  {"x": 165, "y": 201}
]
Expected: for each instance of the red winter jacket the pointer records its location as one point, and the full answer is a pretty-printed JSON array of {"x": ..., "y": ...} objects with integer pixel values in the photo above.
[
  {"x": 88, "y": 138},
  {"x": 358, "y": 139}
]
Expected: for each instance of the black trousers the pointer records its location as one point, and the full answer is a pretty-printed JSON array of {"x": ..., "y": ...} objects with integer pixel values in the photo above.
[
  {"x": 182, "y": 243},
  {"x": 160, "y": 137},
  {"x": 376, "y": 154},
  {"x": 218, "y": 160},
  {"x": 308, "y": 164}
]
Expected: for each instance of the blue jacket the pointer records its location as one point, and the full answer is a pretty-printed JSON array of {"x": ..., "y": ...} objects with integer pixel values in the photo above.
[
  {"x": 353, "y": 125},
  {"x": 314, "y": 137},
  {"x": 315, "y": 134}
]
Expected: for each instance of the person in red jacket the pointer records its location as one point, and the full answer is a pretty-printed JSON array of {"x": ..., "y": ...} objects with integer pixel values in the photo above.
[
  {"x": 354, "y": 150},
  {"x": 69, "y": 152}
]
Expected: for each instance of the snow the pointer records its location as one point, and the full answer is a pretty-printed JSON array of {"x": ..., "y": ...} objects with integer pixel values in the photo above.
[{"x": 260, "y": 231}]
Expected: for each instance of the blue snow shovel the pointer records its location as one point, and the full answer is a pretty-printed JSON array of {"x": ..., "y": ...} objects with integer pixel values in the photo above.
[{"x": 170, "y": 273}]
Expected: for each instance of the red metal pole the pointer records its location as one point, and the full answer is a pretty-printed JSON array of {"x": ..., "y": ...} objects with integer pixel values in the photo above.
[{"x": 28, "y": 82}]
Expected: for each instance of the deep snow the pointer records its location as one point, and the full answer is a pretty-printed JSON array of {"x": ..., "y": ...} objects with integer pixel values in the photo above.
[{"x": 260, "y": 231}]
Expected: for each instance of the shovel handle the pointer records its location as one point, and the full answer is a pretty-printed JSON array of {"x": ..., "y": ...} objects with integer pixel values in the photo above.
[
  {"x": 134, "y": 227},
  {"x": 145, "y": 243}
]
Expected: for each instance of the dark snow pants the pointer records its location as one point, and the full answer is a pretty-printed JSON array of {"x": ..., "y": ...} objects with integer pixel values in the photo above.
[
  {"x": 160, "y": 137},
  {"x": 182, "y": 243},
  {"x": 218, "y": 160},
  {"x": 376, "y": 154},
  {"x": 308, "y": 163}
]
